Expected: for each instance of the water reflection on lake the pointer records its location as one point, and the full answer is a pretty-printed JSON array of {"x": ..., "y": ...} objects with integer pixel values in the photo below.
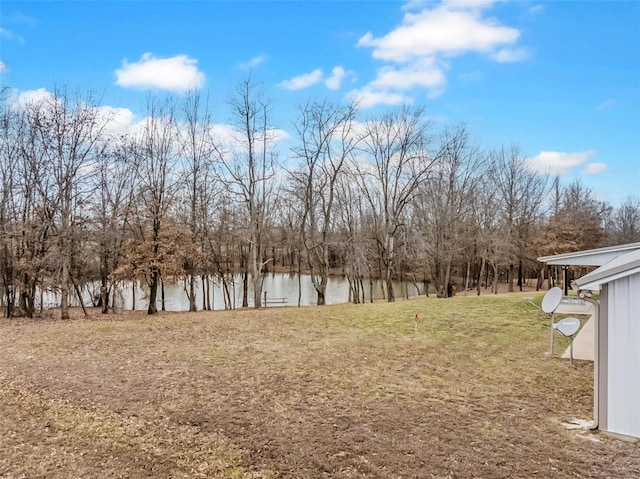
[{"x": 277, "y": 285}]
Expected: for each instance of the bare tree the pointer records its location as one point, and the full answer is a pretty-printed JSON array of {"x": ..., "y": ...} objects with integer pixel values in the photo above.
[
  {"x": 154, "y": 151},
  {"x": 32, "y": 215},
  {"x": 395, "y": 148},
  {"x": 112, "y": 206},
  {"x": 249, "y": 169},
  {"x": 351, "y": 213},
  {"x": 493, "y": 239},
  {"x": 445, "y": 206},
  {"x": 627, "y": 221},
  {"x": 578, "y": 222},
  {"x": 326, "y": 141},
  {"x": 198, "y": 151},
  {"x": 67, "y": 130},
  {"x": 9, "y": 200},
  {"x": 521, "y": 196}
]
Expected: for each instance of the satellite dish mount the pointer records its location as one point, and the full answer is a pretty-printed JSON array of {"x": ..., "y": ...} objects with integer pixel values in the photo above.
[
  {"x": 550, "y": 303},
  {"x": 568, "y": 327}
]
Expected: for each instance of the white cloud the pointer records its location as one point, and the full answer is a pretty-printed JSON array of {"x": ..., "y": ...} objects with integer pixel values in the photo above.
[
  {"x": 510, "y": 55},
  {"x": 277, "y": 135},
  {"x": 469, "y": 4},
  {"x": 419, "y": 51},
  {"x": 303, "y": 81},
  {"x": 306, "y": 80},
  {"x": 557, "y": 162},
  {"x": 368, "y": 97},
  {"x": 594, "y": 168},
  {"x": 254, "y": 62},
  {"x": 19, "y": 17},
  {"x": 415, "y": 5},
  {"x": 9, "y": 35},
  {"x": 31, "y": 98},
  {"x": 442, "y": 30},
  {"x": 179, "y": 73},
  {"x": 453, "y": 4},
  {"x": 119, "y": 120},
  {"x": 232, "y": 140},
  {"x": 335, "y": 80},
  {"x": 424, "y": 72},
  {"x": 222, "y": 131},
  {"x": 3, "y": 67},
  {"x": 115, "y": 121},
  {"x": 607, "y": 104},
  {"x": 536, "y": 9}
]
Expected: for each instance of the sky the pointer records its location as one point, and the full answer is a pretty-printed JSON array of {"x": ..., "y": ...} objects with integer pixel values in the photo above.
[{"x": 560, "y": 79}]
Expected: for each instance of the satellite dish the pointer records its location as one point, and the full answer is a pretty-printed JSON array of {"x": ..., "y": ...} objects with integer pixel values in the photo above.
[
  {"x": 568, "y": 326},
  {"x": 551, "y": 300}
]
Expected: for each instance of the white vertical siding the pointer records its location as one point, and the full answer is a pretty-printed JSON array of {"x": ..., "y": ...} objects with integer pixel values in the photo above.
[{"x": 623, "y": 368}]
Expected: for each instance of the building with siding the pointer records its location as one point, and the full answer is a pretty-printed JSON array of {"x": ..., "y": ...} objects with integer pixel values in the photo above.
[
  {"x": 617, "y": 332},
  {"x": 617, "y": 342}
]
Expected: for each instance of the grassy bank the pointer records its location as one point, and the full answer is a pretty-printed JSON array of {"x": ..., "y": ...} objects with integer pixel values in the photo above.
[{"x": 340, "y": 391}]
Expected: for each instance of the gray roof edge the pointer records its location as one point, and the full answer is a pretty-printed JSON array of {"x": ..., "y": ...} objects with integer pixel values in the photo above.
[
  {"x": 625, "y": 262},
  {"x": 588, "y": 252}
]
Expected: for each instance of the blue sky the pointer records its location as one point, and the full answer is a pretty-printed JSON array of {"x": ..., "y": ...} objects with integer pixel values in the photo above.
[{"x": 560, "y": 79}]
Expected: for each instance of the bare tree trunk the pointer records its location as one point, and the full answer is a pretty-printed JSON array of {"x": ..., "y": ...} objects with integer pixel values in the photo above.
[
  {"x": 192, "y": 293},
  {"x": 114, "y": 294},
  {"x": 371, "y": 288},
  {"x": 391, "y": 294},
  {"x": 226, "y": 294},
  {"x": 210, "y": 293},
  {"x": 466, "y": 282},
  {"x": 321, "y": 298},
  {"x": 256, "y": 274},
  {"x": 79, "y": 294},
  {"x": 510, "y": 278},
  {"x": 10, "y": 298},
  {"x": 205, "y": 296},
  {"x": 153, "y": 294},
  {"x": 299, "y": 281},
  {"x": 27, "y": 303},
  {"x": 64, "y": 291},
  {"x": 482, "y": 267},
  {"x": 245, "y": 288},
  {"x": 104, "y": 297},
  {"x": 104, "y": 293},
  {"x": 447, "y": 281},
  {"x": 540, "y": 281},
  {"x": 520, "y": 274}
]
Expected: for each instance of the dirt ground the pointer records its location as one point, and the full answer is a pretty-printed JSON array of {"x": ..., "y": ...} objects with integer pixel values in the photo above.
[{"x": 346, "y": 391}]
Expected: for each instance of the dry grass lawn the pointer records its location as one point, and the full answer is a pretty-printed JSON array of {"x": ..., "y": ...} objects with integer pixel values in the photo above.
[{"x": 339, "y": 391}]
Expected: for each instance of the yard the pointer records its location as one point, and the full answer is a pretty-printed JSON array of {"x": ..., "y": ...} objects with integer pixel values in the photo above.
[{"x": 340, "y": 391}]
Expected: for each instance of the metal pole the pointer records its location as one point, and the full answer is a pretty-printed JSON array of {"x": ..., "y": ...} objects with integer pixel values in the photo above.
[
  {"x": 571, "y": 350},
  {"x": 552, "y": 324},
  {"x": 565, "y": 270},
  {"x": 596, "y": 363}
]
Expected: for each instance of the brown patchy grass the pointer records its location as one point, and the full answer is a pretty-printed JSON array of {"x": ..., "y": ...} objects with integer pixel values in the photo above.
[{"x": 339, "y": 391}]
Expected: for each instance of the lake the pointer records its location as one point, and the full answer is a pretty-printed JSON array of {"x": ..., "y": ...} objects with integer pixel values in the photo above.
[{"x": 280, "y": 286}]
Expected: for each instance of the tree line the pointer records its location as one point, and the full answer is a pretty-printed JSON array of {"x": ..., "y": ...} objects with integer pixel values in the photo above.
[{"x": 179, "y": 197}]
